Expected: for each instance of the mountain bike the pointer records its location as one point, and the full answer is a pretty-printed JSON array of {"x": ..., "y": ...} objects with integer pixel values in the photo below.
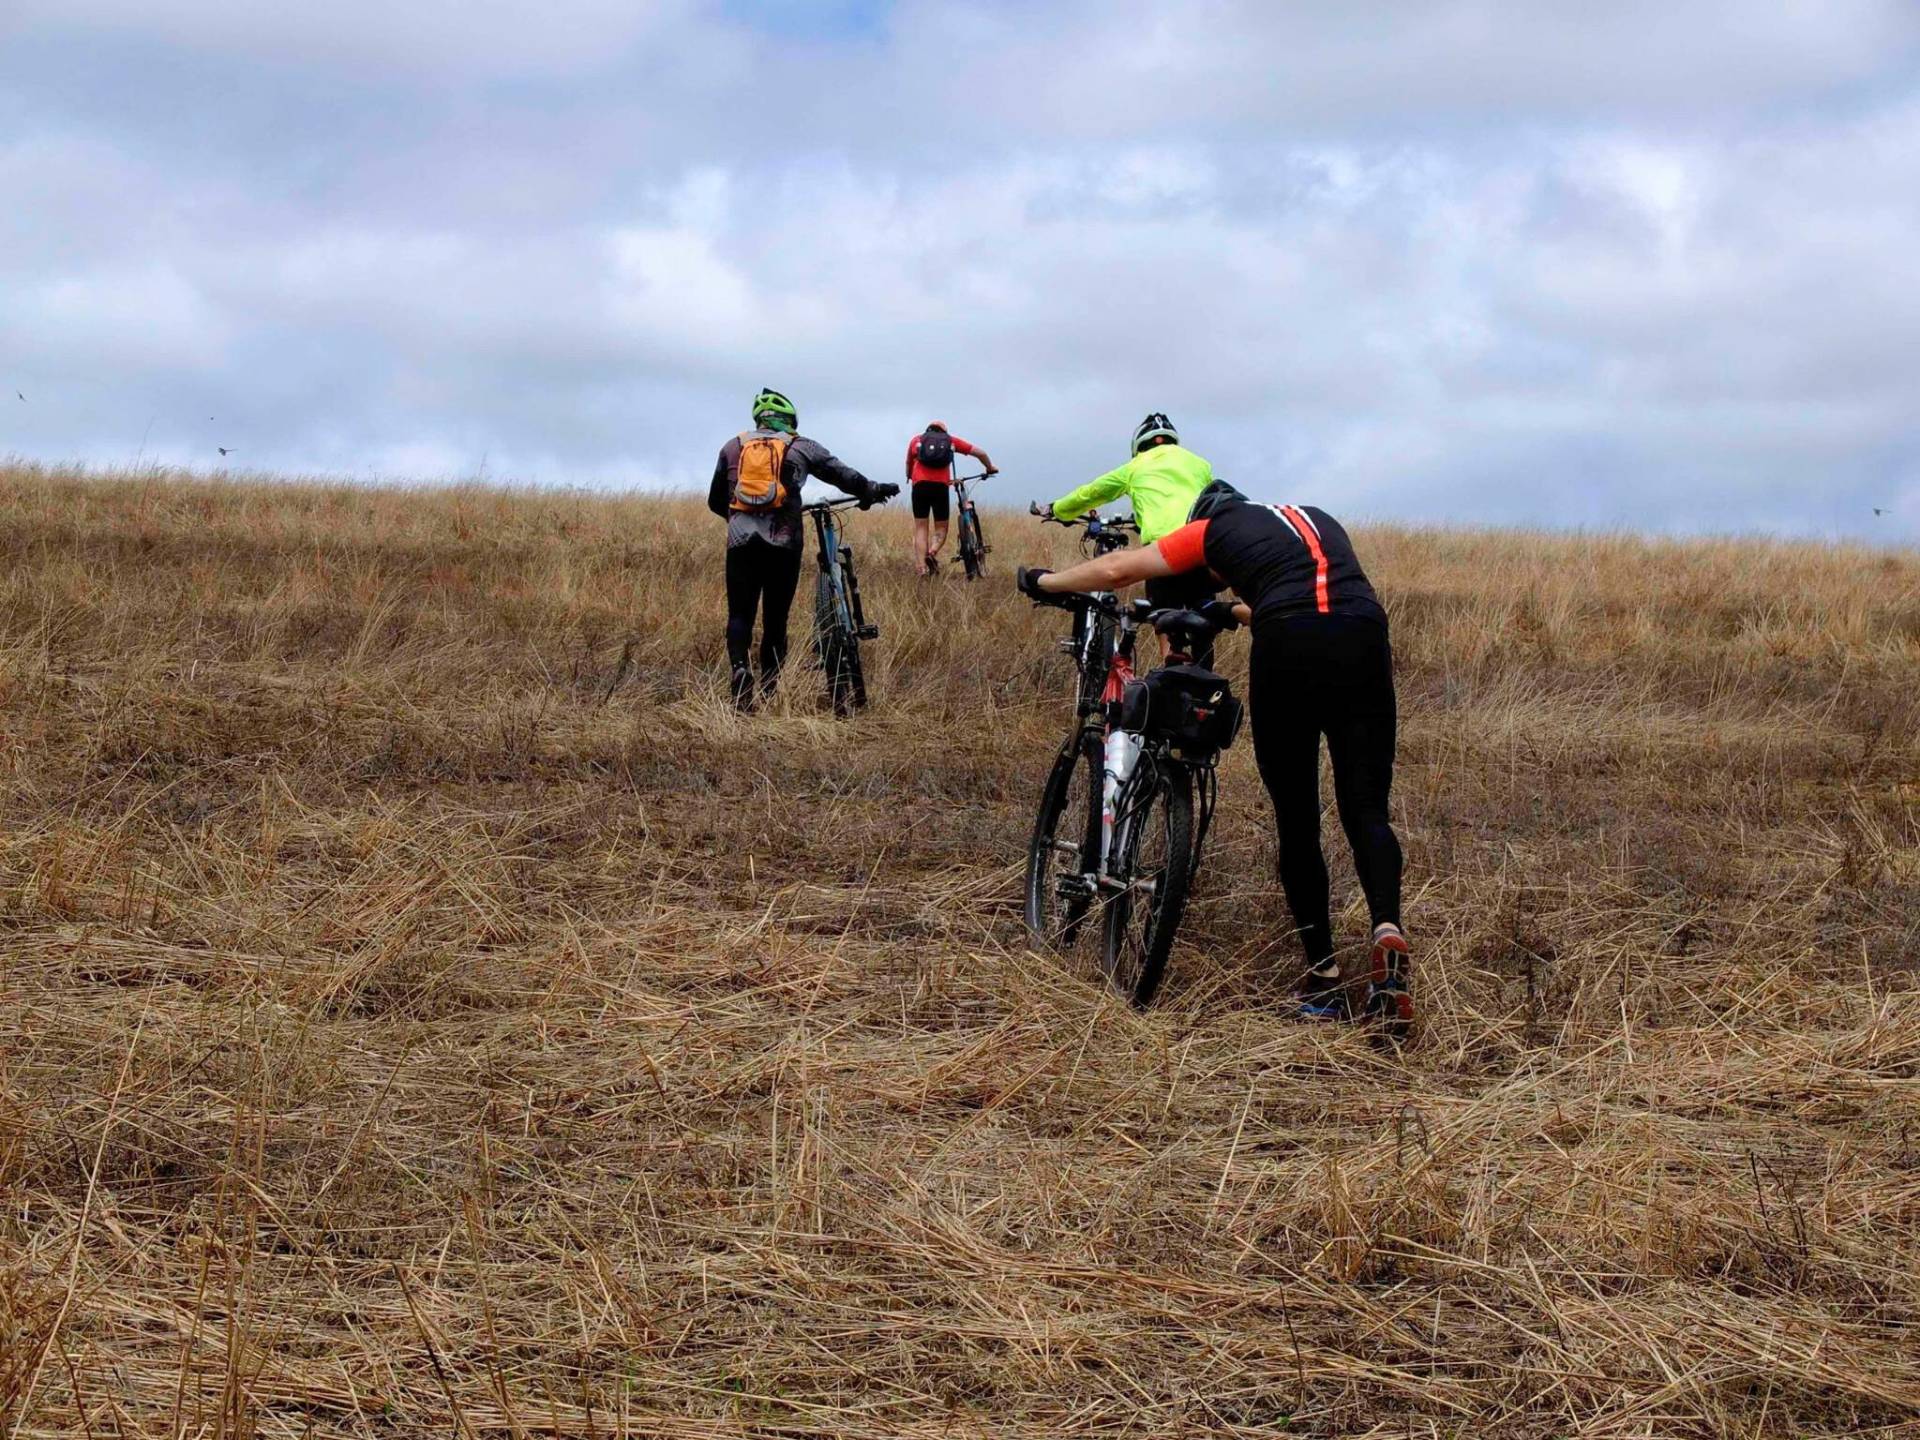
[
  {"x": 839, "y": 623},
  {"x": 1151, "y": 748},
  {"x": 973, "y": 541},
  {"x": 1066, "y": 840}
]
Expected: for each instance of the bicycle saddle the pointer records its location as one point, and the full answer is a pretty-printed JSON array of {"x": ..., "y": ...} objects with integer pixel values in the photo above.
[{"x": 1192, "y": 625}]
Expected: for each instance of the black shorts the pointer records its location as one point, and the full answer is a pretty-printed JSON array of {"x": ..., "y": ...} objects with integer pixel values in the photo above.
[{"x": 932, "y": 498}]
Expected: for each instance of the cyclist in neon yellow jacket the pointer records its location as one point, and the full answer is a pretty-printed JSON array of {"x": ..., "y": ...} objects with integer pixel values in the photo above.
[{"x": 1163, "y": 480}]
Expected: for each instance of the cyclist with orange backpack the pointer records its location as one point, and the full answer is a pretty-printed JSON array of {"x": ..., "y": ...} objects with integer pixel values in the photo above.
[
  {"x": 930, "y": 474},
  {"x": 756, "y": 490}
]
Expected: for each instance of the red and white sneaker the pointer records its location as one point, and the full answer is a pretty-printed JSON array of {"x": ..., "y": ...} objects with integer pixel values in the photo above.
[{"x": 1389, "y": 985}]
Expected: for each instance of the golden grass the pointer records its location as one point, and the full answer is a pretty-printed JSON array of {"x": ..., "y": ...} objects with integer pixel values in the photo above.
[{"x": 402, "y": 1034}]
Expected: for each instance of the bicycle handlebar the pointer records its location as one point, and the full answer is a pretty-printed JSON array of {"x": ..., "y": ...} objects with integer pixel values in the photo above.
[
  {"x": 1214, "y": 617},
  {"x": 838, "y": 503},
  {"x": 1044, "y": 513}
]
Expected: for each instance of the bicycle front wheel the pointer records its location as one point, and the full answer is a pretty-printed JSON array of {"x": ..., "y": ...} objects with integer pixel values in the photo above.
[
  {"x": 973, "y": 545},
  {"x": 1096, "y": 659},
  {"x": 838, "y": 646},
  {"x": 1064, "y": 854},
  {"x": 1152, "y": 867}
]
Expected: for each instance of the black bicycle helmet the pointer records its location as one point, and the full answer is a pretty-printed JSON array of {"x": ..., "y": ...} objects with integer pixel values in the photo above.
[
  {"x": 1212, "y": 500},
  {"x": 1155, "y": 427}
]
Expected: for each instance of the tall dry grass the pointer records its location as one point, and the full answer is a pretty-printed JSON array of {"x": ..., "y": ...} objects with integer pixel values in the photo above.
[{"x": 414, "y": 1020}]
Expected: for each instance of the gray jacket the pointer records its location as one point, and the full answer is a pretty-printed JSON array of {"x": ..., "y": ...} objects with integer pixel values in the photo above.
[{"x": 780, "y": 526}]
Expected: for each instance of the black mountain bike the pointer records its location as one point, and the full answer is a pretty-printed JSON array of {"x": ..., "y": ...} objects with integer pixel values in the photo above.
[
  {"x": 1064, "y": 853},
  {"x": 839, "y": 624},
  {"x": 1148, "y": 756},
  {"x": 973, "y": 541}
]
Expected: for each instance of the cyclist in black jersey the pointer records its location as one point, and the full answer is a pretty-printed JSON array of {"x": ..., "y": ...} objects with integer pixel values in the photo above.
[{"x": 1321, "y": 665}]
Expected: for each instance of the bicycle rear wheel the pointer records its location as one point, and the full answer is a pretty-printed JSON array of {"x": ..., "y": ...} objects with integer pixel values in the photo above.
[
  {"x": 1152, "y": 864},
  {"x": 1064, "y": 853}
]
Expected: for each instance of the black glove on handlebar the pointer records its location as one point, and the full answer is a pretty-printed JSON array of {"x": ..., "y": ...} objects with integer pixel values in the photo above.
[
  {"x": 1027, "y": 581},
  {"x": 1220, "y": 612},
  {"x": 878, "y": 495}
]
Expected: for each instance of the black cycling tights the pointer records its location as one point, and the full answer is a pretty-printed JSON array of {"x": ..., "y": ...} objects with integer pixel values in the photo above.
[
  {"x": 1332, "y": 675},
  {"x": 757, "y": 571}
]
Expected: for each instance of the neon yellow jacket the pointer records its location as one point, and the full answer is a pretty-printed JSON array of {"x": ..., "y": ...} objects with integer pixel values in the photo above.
[{"x": 1163, "y": 482}]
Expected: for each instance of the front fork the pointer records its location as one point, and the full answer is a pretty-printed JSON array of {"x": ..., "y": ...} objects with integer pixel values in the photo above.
[{"x": 857, "y": 613}]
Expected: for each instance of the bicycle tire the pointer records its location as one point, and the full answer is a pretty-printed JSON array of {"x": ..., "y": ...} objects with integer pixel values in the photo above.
[
  {"x": 1138, "y": 937},
  {"x": 838, "y": 647},
  {"x": 1054, "y": 918},
  {"x": 1096, "y": 660},
  {"x": 973, "y": 547}
]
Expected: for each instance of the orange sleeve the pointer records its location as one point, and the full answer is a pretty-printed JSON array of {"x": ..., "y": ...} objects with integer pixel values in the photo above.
[{"x": 1186, "y": 548}]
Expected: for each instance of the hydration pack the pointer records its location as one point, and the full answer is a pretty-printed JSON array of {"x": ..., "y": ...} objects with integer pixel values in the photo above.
[
  {"x": 756, "y": 479},
  {"x": 1191, "y": 707},
  {"x": 936, "y": 450}
]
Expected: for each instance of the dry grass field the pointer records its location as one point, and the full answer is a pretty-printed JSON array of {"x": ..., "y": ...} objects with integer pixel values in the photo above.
[{"x": 415, "y": 1021}]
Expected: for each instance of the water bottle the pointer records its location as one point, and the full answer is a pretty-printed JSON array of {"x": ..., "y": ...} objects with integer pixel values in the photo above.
[{"x": 1123, "y": 753}]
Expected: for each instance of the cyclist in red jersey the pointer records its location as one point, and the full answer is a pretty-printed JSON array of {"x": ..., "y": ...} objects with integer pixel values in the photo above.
[
  {"x": 1322, "y": 664},
  {"x": 930, "y": 473}
]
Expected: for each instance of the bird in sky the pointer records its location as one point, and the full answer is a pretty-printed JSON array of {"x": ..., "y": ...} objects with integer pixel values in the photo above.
[
  {"x": 223, "y": 449},
  {"x": 1878, "y": 511},
  {"x": 23, "y": 399}
]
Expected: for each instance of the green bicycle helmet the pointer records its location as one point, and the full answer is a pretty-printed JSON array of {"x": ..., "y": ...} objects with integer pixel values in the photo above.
[
  {"x": 775, "y": 411},
  {"x": 1154, "y": 428}
]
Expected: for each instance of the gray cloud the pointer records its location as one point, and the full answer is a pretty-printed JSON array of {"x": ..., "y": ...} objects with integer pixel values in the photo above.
[{"x": 1627, "y": 264}]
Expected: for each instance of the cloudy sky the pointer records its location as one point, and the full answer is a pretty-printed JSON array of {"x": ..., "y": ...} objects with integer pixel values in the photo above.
[{"x": 1641, "y": 263}]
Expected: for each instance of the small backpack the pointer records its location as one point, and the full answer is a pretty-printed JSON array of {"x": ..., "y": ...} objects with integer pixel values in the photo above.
[
  {"x": 936, "y": 450},
  {"x": 756, "y": 479}
]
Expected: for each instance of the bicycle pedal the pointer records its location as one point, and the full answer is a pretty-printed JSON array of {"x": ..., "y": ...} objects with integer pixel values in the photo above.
[{"x": 868, "y": 632}]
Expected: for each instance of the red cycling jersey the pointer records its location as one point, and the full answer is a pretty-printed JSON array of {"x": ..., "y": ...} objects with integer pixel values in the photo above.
[
  {"x": 1186, "y": 548},
  {"x": 920, "y": 474}
]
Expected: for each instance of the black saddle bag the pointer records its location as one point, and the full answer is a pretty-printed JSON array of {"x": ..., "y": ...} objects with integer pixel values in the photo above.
[{"x": 1194, "y": 709}]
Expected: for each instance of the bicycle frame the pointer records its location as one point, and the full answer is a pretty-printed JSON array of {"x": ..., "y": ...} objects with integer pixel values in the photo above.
[
  {"x": 962, "y": 498},
  {"x": 839, "y": 650},
  {"x": 972, "y": 548},
  {"x": 836, "y": 560},
  {"x": 1100, "y": 537}
]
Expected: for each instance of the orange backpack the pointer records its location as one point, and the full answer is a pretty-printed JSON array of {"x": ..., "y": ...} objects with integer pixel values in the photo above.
[{"x": 756, "y": 479}]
